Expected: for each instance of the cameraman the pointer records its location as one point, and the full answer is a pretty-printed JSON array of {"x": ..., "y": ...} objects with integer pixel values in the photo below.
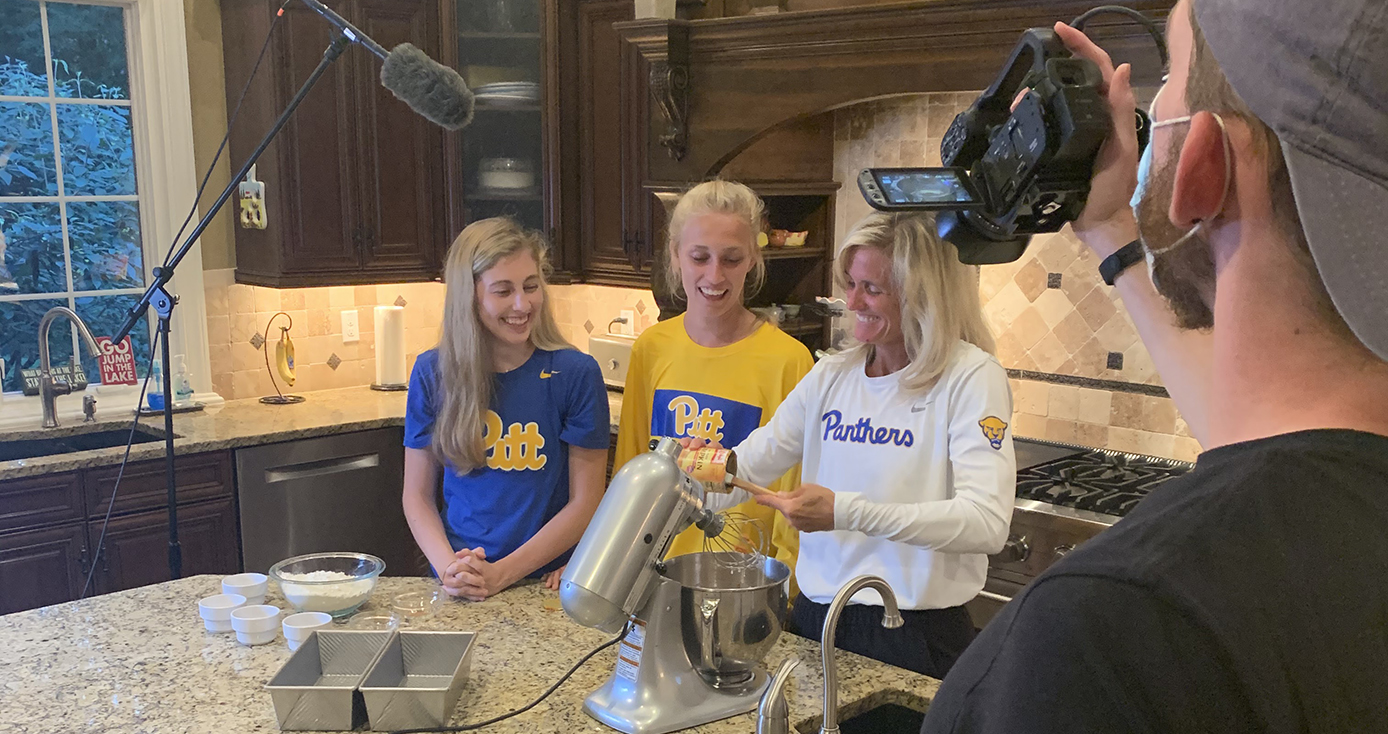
[{"x": 1251, "y": 594}]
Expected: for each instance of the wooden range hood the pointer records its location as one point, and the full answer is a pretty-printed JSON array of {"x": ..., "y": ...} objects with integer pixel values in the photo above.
[{"x": 715, "y": 86}]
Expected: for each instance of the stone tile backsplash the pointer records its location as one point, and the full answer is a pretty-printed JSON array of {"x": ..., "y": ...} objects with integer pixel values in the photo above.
[{"x": 1051, "y": 313}]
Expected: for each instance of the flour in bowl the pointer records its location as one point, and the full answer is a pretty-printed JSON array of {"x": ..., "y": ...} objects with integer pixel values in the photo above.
[{"x": 317, "y": 596}]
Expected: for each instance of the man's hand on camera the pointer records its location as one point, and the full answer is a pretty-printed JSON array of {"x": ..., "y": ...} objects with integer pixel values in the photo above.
[{"x": 1107, "y": 222}]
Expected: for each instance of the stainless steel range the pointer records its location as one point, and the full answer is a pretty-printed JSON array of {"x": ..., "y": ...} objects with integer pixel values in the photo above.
[{"x": 1065, "y": 496}]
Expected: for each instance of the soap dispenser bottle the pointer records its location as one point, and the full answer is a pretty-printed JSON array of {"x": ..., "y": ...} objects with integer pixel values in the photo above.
[
  {"x": 154, "y": 392},
  {"x": 182, "y": 386}
]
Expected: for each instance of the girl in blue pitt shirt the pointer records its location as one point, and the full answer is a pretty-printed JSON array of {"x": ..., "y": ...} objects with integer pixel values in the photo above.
[{"x": 514, "y": 416}]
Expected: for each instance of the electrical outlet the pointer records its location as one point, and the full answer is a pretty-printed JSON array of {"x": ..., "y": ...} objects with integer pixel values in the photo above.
[
  {"x": 628, "y": 328},
  {"x": 351, "y": 330}
]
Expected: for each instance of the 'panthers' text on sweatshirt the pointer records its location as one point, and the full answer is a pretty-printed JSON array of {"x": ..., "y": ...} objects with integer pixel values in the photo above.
[{"x": 924, "y": 482}]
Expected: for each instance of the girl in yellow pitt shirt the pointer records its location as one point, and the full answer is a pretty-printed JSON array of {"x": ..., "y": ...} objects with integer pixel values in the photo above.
[{"x": 717, "y": 371}]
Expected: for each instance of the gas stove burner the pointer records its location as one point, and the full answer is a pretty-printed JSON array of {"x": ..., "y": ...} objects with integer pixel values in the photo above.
[{"x": 1096, "y": 480}]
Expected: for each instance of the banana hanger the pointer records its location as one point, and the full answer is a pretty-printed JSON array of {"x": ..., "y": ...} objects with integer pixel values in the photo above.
[{"x": 284, "y": 362}]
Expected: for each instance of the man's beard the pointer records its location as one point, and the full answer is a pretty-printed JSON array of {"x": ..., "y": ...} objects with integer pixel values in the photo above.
[{"x": 1184, "y": 275}]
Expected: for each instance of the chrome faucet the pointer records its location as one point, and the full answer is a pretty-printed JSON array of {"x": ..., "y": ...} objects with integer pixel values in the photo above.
[
  {"x": 891, "y": 619},
  {"x": 773, "y": 714},
  {"x": 49, "y": 388}
]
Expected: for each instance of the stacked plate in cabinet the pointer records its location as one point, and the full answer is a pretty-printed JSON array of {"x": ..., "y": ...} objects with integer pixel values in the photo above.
[{"x": 508, "y": 94}]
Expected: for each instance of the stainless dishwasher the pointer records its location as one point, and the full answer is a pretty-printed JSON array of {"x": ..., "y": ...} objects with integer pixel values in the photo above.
[{"x": 335, "y": 493}]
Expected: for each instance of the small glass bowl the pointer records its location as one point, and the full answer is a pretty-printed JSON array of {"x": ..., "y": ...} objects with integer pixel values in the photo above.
[
  {"x": 376, "y": 621},
  {"x": 418, "y": 604}
]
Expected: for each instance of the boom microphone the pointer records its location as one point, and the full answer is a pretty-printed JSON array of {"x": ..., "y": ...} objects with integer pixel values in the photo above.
[{"x": 434, "y": 91}]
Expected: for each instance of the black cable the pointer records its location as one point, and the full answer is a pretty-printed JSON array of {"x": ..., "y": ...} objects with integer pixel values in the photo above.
[
  {"x": 231, "y": 120},
  {"x": 149, "y": 372},
  {"x": 1144, "y": 21},
  {"x": 528, "y": 706},
  {"x": 154, "y": 342}
]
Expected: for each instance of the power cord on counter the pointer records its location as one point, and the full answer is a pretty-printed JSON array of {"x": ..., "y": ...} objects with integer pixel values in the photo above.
[{"x": 532, "y": 704}]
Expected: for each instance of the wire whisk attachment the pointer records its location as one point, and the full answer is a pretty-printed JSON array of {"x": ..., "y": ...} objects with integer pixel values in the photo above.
[{"x": 736, "y": 539}]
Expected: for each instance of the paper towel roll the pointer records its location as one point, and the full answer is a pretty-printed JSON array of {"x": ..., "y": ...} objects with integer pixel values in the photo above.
[{"x": 390, "y": 345}]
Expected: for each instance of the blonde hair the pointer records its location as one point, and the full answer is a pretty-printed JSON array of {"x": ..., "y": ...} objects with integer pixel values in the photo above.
[
  {"x": 939, "y": 295},
  {"x": 466, "y": 379},
  {"x": 722, "y": 197}
]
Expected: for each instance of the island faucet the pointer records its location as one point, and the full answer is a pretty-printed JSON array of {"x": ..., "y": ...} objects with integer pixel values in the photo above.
[
  {"x": 49, "y": 388},
  {"x": 891, "y": 619}
]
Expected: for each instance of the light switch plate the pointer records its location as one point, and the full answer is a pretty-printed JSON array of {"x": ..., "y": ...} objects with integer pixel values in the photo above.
[
  {"x": 351, "y": 329},
  {"x": 628, "y": 328}
]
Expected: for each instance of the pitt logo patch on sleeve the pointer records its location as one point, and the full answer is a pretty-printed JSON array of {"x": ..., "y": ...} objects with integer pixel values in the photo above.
[{"x": 993, "y": 430}]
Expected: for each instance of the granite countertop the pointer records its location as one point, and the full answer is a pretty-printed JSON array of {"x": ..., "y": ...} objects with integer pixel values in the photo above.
[
  {"x": 234, "y": 424},
  {"x": 140, "y": 661}
]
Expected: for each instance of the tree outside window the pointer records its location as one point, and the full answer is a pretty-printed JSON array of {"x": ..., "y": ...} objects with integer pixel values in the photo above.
[{"x": 69, "y": 201}]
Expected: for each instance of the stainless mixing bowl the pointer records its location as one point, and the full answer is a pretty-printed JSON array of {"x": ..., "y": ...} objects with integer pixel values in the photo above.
[{"x": 729, "y": 616}]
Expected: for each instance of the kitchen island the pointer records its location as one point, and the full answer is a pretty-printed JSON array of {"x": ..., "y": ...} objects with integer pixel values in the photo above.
[{"x": 140, "y": 661}]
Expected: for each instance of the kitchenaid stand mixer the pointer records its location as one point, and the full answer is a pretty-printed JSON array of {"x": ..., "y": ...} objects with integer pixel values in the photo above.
[{"x": 700, "y": 625}]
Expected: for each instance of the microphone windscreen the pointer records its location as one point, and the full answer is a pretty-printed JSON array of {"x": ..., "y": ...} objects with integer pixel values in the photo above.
[{"x": 433, "y": 90}]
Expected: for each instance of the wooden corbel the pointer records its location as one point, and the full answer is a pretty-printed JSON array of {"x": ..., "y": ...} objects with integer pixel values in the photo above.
[{"x": 669, "y": 84}]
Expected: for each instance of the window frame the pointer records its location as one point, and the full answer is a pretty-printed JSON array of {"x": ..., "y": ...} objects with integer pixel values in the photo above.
[{"x": 166, "y": 179}]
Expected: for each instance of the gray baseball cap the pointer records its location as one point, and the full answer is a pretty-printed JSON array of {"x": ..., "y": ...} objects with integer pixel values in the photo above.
[{"x": 1316, "y": 71}]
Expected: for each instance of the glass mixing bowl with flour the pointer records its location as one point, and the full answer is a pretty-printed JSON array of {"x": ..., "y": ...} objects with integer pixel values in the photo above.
[{"x": 336, "y": 583}]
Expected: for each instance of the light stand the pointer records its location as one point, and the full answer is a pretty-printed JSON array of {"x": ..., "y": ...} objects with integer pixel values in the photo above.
[{"x": 158, "y": 295}]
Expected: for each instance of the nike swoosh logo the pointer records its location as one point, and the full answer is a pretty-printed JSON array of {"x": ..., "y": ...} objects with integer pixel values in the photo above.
[
  {"x": 545, "y": 375},
  {"x": 919, "y": 408}
]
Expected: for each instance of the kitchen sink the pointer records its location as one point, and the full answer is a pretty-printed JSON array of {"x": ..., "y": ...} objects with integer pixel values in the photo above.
[
  {"x": 884, "y": 712},
  {"x": 887, "y": 718},
  {"x": 34, "y": 443}
]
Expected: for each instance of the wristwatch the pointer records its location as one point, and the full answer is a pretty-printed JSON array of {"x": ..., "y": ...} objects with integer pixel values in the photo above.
[{"x": 1119, "y": 261}]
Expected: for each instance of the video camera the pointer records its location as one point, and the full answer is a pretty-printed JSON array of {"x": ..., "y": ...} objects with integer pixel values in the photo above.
[{"x": 1018, "y": 161}]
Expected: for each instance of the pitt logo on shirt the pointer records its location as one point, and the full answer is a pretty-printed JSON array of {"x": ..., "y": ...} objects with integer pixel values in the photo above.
[
  {"x": 863, "y": 431},
  {"x": 518, "y": 450},
  {"x": 679, "y": 414}
]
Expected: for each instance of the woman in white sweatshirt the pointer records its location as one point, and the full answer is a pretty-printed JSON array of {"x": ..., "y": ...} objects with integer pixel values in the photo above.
[{"x": 904, "y": 448}]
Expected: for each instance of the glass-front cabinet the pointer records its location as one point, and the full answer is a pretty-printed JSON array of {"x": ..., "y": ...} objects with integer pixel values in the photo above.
[{"x": 501, "y": 54}]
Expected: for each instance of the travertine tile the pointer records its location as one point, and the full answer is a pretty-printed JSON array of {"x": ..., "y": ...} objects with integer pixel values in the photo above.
[
  {"x": 1029, "y": 426},
  {"x": 292, "y": 299},
  {"x": 341, "y": 296},
  {"x": 241, "y": 298},
  {"x": 1095, "y": 406},
  {"x": 1090, "y": 434},
  {"x": 1073, "y": 331},
  {"x": 1054, "y": 306},
  {"x": 1063, "y": 431},
  {"x": 367, "y": 295},
  {"x": 1031, "y": 397},
  {"x": 1064, "y": 403},
  {"x": 1096, "y": 308},
  {"x": 1031, "y": 278},
  {"x": 266, "y": 299},
  {"x": 1028, "y": 328},
  {"x": 219, "y": 330},
  {"x": 1049, "y": 353},
  {"x": 242, "y": 326},
  {"x": 1127, "y": 410}
]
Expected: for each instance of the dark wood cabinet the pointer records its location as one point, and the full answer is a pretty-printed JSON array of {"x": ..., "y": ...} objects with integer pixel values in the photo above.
[
  {"x": 42, "y": 567},
  {"x": 43, "y": 500},
  {"x": 137, "y": 546},
  {"x": 50, "y": 526},
  {"x": 354, "y": 184},
  {"x": 610, "y": 239}
]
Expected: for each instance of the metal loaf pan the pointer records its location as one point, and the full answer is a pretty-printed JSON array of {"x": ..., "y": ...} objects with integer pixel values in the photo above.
[
  {"x": 316, "y": 690},
  {"x": 417, "y": 679}
]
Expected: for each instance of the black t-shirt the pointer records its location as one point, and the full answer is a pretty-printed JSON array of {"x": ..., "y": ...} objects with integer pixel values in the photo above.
[{"x": 1250, "y": 595}]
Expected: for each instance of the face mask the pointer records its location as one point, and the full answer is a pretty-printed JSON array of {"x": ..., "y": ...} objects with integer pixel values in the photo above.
[{"x": 1144, "y": 171}]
